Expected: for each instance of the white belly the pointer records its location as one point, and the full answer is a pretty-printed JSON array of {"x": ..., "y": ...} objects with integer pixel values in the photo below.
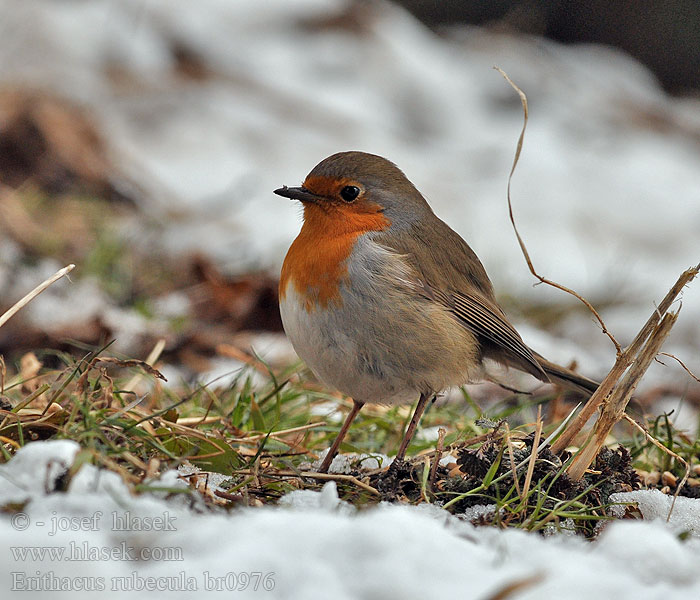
[{"x": 324, "y": 340}]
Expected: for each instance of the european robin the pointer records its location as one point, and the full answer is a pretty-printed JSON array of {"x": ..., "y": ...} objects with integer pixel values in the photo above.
[{"x": 386, "y": 303}]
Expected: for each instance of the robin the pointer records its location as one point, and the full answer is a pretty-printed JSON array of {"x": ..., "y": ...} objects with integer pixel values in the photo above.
[{"x": 386, "y": 303}]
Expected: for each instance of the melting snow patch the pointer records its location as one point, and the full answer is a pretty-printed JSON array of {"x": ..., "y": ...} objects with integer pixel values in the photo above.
[
  {"x": 655, "y": 505},
  {"x": 312, "y": 546}
]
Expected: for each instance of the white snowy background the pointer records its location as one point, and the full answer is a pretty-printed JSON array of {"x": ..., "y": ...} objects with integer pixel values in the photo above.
[{"x": 607, "y": 197}]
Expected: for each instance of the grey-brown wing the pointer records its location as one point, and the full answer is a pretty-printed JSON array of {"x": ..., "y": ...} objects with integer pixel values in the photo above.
[
  {"x": 445, "y": 264},
  {"x": 476, "y": 314}
]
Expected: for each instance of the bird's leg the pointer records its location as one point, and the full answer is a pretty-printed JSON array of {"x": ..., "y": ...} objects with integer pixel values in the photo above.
[
  {"x": 420, "y": 409},
  {"x": 356, "y": 406}
]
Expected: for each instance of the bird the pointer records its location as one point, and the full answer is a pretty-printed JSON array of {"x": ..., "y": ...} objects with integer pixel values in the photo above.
[{"x": 385, "y": 302}]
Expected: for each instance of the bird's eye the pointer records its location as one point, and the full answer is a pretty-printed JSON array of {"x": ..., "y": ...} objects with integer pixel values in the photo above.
[{"x": 349, "y": 193}]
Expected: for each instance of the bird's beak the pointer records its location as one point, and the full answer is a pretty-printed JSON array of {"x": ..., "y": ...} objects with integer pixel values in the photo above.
[{"x": 297, "y": 193}]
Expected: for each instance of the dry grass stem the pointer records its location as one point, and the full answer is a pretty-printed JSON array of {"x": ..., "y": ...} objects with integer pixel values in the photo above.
[
  {"x": 20, "y": 304},
  {"x": 276, "y": 434},
  {"x": 340, "y": 477},
  {"x": 509, "y": 445},
  {"x": 321, "y": 477},
  {"x": 668, "y": 451},
  {"x": 82, "y": 380},
  {"x": 3, "y": 374},
  {"x": 437, "y": 456},
  {"x": 151, "y": 359},
  {"x": 191, "y": 421},
  {"x": 533, "y": 455},
  {"x": 682, "y": 364},
  {"x": 237, "y": 354},
  {"x": 523, "y": 248},
  {"x": 635, "y": 360},
  {"x": 623, "y": 361},
  {"x": 615, "y": 403}
]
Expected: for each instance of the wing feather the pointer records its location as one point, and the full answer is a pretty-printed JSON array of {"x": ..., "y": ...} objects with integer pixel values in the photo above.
[{"x": 487, "y": 323}]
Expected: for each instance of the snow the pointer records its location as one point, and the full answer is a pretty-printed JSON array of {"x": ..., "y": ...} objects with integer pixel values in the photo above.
[
  {"x": 346, "y": 462},
  {"x": 655, "y": 505},
  {"x": 313, "y": 545}
]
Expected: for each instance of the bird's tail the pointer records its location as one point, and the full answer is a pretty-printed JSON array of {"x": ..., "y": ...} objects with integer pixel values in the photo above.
[{"x": 566, "y": 377}]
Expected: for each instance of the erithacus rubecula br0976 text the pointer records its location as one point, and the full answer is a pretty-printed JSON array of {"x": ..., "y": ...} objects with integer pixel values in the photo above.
[{"x": 383, "y": 301}]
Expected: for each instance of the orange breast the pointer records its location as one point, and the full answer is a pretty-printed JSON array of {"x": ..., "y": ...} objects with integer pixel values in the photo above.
[{"x": 316, "y": 263}]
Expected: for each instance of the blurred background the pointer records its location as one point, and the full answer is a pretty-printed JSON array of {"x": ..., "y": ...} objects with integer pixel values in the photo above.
[{"x": 142, "y": 139}]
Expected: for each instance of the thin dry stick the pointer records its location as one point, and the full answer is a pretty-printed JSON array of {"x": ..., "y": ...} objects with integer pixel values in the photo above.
[
  {"x": 614, "y": 407},
  {"x": 559, "y": 428},
  {"x": 622, "y": 396},
  {"x": 437, "y": 456},
  {"x": 590, "y": 407},
  {"x": 256, "y": 471},
  {"x": 192, "y": 421},
  {"x": 533, "y": 456},
  {"x": 685, "y": 278},
  {"x": 663, "y": 448},
  {"x": 328, "y": 477},
  {"x": 523, "y": 248},
  {"x": 425, "y": 479},
  {"x": 274, "y": 434},
  {"x": 20, "y": 304},
  {"x": 133, "y": 362},
  {"x": 622, "y": 362},
  {"x": 682, "y": 364},
  {"x": 150, "y": 360},
  {"x": 6, "y": 440},
  {"x": 509, "y": 445},
  {"x": 232, "y": 352}
]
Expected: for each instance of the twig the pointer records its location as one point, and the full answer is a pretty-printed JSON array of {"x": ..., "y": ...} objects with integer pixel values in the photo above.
[
  {"x": 682, "y": 364},
  {"x": 150, "y": 360},
  {"x": 533, "y": 456},
  {"x": 327, "y": 477},
  {"x": 622, "y": 362},
  {"x": 20, "y": 304},
  {"x": 227, "y": 496},
  {"x": 663, "y": 448},
  {"x": 232, "y": 352},
  {"x": 3, "y": 374},
  {"x": 425, "y": 478},
  {"x": 340, "y": 477},
  {"x": 561, "y": 426},
  {"x": 636, "y": 357},
  {"x": 616, "y": 402},
  {"x": 133, "y": 362},
  {"x": 509, "y": 445},
  {"x": 523, "y": 248},
  {"x": 278, "y": 433},
  {"x": 192, "y": 421},
  {"x": 437, "y": 457}
]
